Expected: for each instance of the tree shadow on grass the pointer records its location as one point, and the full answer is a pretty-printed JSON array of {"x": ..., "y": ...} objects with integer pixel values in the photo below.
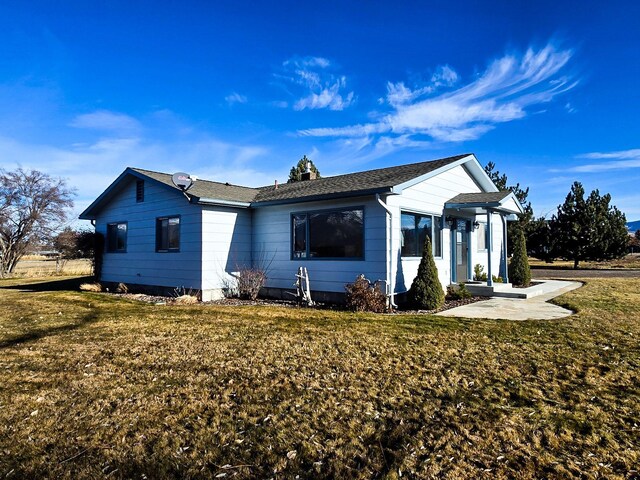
[
  {"x": 47, "y": 332},
  {"x": 51, "y": 285}
]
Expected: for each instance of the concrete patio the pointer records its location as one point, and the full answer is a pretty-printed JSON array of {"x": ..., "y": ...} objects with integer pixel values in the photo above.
[{"x": 518, "y": 303}]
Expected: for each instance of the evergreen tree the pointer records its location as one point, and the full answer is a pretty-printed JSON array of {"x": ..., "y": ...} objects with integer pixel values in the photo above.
[
  {"x": 519, "y": 271},
  {"x": 588, "y": 229},
  {"x": 426, "y": 290},
  {"x": 539, "y": 240},
  {"x": 522, "y": 194},
  {"x": 295, "y": 175}
]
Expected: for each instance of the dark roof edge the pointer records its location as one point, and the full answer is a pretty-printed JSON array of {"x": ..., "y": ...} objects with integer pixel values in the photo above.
[{"x": 324, "y": 196}]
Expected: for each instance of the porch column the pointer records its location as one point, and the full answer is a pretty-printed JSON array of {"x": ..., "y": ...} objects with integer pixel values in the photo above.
[
  {"x": 504, "y": 253},
  {"x": 489, "y": 248}
]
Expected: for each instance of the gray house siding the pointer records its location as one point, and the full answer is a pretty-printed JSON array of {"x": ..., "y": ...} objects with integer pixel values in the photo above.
[
  {"x": 141, "y": 264},
  {"x": 272, "y": 247}
]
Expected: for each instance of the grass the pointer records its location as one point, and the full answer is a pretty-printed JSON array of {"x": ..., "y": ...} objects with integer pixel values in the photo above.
[
  {"x": 631, "y": 260},
  {"x": 37, "y": 266},
  {"x": 94, "y": 386}
]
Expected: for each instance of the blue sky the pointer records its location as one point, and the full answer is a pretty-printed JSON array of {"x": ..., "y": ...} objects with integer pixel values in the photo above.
[{"x": 239, "y": 91}]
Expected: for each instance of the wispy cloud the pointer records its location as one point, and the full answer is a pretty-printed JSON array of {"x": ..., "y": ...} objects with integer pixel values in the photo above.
[
  {"x": 316, "y": 85},
  {"x": 620, "y": 160},
  {"x": 105, "y": 120},
  {"x": 502, "y": 93},
  {"x": 235, "y": 98},
  {"x": 92, "y": 165}
]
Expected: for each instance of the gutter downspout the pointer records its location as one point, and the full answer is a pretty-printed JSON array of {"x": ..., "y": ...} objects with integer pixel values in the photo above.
[{"x": 392, "y": 287}]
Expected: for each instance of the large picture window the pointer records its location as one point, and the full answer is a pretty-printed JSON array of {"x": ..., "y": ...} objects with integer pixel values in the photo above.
[
  {"x": 168, "y": 234},
  {"x": 415, "y": 228},
  {"x": 328, "y": 234},
  {"x": 117, "y": 237}
]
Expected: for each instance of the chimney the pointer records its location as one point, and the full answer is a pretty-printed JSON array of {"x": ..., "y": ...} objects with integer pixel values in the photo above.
[
  {"x": 308, "y": 174},
  {"x": 276, "y": 184}
]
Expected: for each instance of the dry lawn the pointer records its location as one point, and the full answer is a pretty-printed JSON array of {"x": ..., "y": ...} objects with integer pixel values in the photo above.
[
  {"x": 35, "y": 266},
  {"x": 93, "y": 386}
]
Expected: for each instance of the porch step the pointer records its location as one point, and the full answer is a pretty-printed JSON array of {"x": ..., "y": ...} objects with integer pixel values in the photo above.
[{"x": 504, "y": 290}]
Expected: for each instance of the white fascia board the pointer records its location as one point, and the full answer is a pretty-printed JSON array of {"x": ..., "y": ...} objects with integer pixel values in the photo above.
[
  {"x": 223, "y": 203},
  {"x": 472, "y": 164},
  {"x": 511, "y": 201}
]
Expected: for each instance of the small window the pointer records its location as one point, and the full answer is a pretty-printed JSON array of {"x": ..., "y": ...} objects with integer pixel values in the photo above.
[
  {"x": 481, "y": 235},
  {"x": 117, "y": 237},
  {"x": 328, "y": 234},
  {"x": 415, "y": 228},
  {"x": 140, "y": 191},
  {"x": 168, "y": 234}
]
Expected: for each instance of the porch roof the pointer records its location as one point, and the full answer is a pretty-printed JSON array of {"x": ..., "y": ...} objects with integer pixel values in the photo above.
[{"x": 477, "y": 203}]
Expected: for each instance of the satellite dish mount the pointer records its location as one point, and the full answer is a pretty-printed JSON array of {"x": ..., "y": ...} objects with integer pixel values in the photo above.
[{"x": 182, "y": 180}]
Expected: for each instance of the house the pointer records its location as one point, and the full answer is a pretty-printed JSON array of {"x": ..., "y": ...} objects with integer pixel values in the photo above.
[{"x": 372, "y": 223}]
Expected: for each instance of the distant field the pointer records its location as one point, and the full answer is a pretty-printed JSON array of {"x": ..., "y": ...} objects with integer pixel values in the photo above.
[
  {"x": 630, "y": 261},
  {"x": 94, "y": 386},
  {"x": 34, "y": 266}
]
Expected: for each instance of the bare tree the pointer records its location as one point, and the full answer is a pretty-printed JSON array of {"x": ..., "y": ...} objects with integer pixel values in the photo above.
[{"x": 33, "y": 205}]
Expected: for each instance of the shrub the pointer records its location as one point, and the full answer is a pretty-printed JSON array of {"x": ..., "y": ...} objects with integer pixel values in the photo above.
[
  {"x": 362, "y": 296},
  {"x": 519, "y": 271},
  {"x": 186, "y": 300},
  {"x": 497, "y": 279},
  {"x": 91, "y": 287},
  {"x": 426, "y": 290},
  {"x": 250, "y": 281},
  {"x": 459, "y": 292},
  {"x": 478, "y": 273}
]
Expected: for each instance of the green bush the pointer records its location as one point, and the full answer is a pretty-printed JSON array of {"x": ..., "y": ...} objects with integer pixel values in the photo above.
[
  {"x": 426, "y": 290},
  {"x": 458, "y": 292},
  {"x": 362, "y": 296},
  {"x": 478, "y": 273},
  {"x": 519, "y": 271}
]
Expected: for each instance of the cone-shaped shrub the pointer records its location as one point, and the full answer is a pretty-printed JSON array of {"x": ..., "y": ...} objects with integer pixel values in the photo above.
[
  {"x": 519, "y": 271},
  {"x": 426, "y": 290}
]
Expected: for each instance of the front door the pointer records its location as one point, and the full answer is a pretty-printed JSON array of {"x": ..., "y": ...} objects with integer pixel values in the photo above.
[{"x": 462, "y": 252}]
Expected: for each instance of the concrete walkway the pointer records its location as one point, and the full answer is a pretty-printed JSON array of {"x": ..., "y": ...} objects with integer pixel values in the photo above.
[{"x": 535, "y": 308}]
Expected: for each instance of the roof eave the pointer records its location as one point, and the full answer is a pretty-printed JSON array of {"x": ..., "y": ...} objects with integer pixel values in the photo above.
[
  {"x": 320, "y": 197},
  {"x": 219, "y": 202},
  {"x": 90, "y": 213}
]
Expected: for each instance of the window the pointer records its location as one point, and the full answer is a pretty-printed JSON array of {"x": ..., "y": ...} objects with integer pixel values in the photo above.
[
  {"x": 415, "y": 228},
  {"x": 140, "y": 191},
  {"x": 481, "y": 235},
  {"x": 328, "y": 234},
  {"x": 168, "y": 234},
  {"x": 117, "y": 237}
]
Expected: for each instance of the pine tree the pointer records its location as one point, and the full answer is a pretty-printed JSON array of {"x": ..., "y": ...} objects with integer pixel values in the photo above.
[
  {"x": 519, "y": 271},
  {"x": 426, "y": 290},
  {"x": 588, "y": 229},
  {"x": 295, "y": 174}
]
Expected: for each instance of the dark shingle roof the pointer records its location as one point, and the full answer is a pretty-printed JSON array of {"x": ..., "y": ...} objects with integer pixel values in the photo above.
[
  {"x": 484, "y": 197},
  {"x": 207, "y": 189},
  {"x": 351, "y": 183}
]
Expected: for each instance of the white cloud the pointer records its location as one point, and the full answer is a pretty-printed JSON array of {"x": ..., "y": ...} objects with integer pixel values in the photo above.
[
  {"x": 105, "y": 120},
  {"x": 91, "y": 167},
  {"x": 502, "y": 93},
  {"x": 235, "y": 98},
  {"x": 619, "y": 160},
  {"x": 317, "y": 87}
]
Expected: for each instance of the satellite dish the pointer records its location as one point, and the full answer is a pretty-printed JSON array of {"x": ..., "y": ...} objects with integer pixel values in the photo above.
[{"x": 182, "y": 180}]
